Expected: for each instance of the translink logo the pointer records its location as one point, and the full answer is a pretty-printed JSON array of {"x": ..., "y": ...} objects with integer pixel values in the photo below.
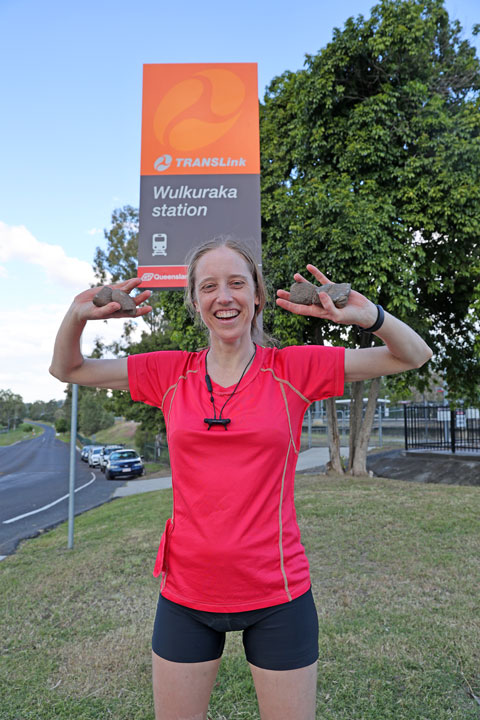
[
  {"x": 164, "y": 161},
  {"x": 210, "y": 162}
]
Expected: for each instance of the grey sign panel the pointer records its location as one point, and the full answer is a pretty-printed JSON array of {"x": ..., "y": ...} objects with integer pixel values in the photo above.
[{"x": 178, "y": 212}]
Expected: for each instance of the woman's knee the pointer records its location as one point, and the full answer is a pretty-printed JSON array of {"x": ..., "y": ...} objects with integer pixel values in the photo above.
[{"x": 182, "y": 691}]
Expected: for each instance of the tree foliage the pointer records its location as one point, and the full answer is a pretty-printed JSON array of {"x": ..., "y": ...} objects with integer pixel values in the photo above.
[
  {"x": 12, "y": 409},
  {"x": 371, "y": 169},
  {"x": 45, "y": 411},
  {"x": 93, "y": 414}
]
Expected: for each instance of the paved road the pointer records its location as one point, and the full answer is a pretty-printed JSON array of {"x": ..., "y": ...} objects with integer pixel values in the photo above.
[{"x": 34, "y": 477}]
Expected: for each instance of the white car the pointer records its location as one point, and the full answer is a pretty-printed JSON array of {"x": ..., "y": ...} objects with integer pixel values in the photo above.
[{"x": 94, "y": 456}]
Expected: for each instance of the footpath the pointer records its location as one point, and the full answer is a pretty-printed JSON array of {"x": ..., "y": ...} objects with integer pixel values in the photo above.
[{"x": 308, "y": 461}]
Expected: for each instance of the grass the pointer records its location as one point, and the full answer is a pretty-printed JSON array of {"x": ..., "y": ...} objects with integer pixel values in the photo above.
[
  {"x": 395, "y": 569},
  {"x": 157, "y": 469},
  {"x": 122, "y": 432},
  {"x": 13, "y": 436}
]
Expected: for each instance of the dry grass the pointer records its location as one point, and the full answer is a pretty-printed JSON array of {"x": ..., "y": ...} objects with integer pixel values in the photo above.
[{"x": 122, "y": 432}]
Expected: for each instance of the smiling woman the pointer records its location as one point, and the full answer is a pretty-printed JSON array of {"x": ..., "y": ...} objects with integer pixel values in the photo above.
[{"x": 231, "y": 556}]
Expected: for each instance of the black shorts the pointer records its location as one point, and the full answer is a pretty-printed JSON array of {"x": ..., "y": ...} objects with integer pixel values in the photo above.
[{"x": 282, "y": 637}]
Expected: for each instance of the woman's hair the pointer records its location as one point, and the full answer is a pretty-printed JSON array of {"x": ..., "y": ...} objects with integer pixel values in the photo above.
[{"x": 242, "y": 249}]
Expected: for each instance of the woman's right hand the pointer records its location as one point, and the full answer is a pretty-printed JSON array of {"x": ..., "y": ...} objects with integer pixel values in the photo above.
[
  {"x": 84, "y": 309},
  {"x": 68, "y": 363}
]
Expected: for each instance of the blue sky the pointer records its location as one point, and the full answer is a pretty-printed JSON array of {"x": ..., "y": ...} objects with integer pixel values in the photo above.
[{"x": 71, "y": 87}]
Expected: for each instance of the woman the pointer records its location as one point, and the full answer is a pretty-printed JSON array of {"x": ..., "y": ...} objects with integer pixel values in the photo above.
[{"x": 231, "y": 556}]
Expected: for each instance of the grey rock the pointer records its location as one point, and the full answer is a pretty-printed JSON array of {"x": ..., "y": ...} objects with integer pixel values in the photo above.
[
  {"x": 305, "y": 293},
  {"x": 103, "y": 297},
  {"x": 107, "y": 295}
]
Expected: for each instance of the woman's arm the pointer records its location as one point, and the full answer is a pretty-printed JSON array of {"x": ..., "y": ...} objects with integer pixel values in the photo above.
[
  {"x": 68, "y": 363},
  {"x": 403, "y": 349}
]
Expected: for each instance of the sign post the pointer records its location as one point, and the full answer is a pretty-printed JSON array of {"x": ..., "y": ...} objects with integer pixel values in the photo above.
[
  {"x": 72, "y": 473},
  {"x": 200, "y": 164}
]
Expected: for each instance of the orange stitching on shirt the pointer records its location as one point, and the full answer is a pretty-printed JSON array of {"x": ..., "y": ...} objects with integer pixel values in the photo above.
[
  {"x": 282, "y": 389},
  {"x": 292, "y": 387},
  {"x": 280, "y": 537},
  {"x": 174, "y": 387}
]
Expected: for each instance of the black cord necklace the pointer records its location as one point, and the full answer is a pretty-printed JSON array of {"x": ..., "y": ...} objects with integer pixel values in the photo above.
[{"x": 220, "y": 420}]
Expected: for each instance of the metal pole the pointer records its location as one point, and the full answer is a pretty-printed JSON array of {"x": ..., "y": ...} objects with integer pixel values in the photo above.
[
  {"x": 309, "y": 418},
  {"x": 73, "y": 445},
  {"x": 453, "y": 417},
  {"x": 380, "y": 435}
]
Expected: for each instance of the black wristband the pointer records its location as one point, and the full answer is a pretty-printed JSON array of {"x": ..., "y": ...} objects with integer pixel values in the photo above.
[{"x": 378, "y": 322}]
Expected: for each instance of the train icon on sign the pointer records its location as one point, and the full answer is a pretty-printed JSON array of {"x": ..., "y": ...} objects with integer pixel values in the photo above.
[{"x": 159, "y": 244}]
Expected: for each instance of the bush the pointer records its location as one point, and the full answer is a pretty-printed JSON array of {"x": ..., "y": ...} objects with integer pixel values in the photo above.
[
  {"x": 26, "y": 428},
  {"x": 61, "y": 425}
]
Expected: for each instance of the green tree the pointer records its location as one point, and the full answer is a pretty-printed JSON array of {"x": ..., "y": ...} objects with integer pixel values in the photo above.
[
  {"x": 41, "y": 410},
  {"x": 92, "y": 413},
  {"x": 61, "y": 425},
  {"x": 371, "y": 170},
  {"x": 12, "y": 409}
]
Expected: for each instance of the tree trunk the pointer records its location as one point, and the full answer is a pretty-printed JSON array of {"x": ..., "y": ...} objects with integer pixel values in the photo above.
[
  {"x": 335, "y": 463},
  {"x": 356, "y": 414},
  {"x": 358, "y": 463},
  {"x": 333, "y": 437}
]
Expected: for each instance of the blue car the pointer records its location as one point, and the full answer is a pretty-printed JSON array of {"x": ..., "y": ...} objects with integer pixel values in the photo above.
[{"x": 124, "y": 463}]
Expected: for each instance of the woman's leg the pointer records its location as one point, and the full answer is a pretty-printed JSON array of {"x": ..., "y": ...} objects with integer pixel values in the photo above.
[
  {"x": 182, "y": 685},
  {"x": 286, "y": 694},
  {"x": 181, "y": 691}
]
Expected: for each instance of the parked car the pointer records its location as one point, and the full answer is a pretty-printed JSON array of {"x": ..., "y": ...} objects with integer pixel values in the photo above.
[
  {"x": 122, "y": 463},
  {"x": 105, "y": 452},
  {"x": 84, "y": 452},
  {"x": 94, "y": 456}
]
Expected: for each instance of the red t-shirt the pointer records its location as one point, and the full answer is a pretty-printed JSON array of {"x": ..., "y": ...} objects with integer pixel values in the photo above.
[{"x": 233, "y": 542}]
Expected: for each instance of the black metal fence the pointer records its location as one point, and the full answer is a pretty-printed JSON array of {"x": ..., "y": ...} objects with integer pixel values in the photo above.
[{"x": 442, "y": 428}]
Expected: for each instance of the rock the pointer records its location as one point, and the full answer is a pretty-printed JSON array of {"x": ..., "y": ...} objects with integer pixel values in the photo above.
[
  {"x": 305, "y": 293},
  {"x": 103, "y": 297},
  {"x": 107, "y": 295}
]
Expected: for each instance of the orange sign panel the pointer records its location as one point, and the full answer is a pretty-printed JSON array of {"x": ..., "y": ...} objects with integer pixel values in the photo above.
[{"x": 200, "y": 119}]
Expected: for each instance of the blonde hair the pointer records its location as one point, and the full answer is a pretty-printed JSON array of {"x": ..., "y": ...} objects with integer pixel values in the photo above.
[{"x": 242, "y": 249}]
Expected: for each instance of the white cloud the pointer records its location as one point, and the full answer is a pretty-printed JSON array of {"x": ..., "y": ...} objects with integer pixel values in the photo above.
[
  {"x": 26, "y": 349},
  {"x": 18, "y": 243},
  {"x": 30, "y": 323},
  {"x": 94, "y": 231}
]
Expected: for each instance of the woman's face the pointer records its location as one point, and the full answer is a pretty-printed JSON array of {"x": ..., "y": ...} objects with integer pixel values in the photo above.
[{"x": 225, "y": 294}]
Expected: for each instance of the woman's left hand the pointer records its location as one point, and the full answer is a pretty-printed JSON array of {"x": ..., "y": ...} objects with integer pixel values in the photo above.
[{"x": 358, "y": 310}]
